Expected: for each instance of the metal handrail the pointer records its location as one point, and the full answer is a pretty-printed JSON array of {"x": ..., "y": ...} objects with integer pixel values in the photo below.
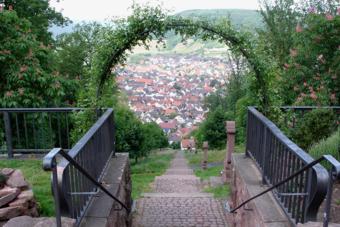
[
  {"x": 76, "y": 177},
  {"x": 277, "y": 158},
  {"x": 334, "y": 175},
  {"x": 50, "y": 164}
]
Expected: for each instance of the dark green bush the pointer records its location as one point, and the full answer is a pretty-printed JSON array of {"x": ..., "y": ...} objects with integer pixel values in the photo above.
[
  {"x": 313, "y": 127},
  {"x": 330, "y": 145},
  {"x": 2, "y": 180}
]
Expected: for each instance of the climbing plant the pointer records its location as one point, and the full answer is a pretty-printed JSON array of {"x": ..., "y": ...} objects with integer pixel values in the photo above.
[{"x": 148, "y": 23}]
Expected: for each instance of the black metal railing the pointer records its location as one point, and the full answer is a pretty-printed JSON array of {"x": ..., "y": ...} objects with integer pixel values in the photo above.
[
  {"x": 278, "y": 158},
  {"x": 77, "y": 177},
  {"x": 35, "y": 130},
  {"x": 334, "y": 176}
]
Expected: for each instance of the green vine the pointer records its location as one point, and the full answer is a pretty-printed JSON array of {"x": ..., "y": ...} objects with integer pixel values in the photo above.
[{"x": 147, "y": 23}]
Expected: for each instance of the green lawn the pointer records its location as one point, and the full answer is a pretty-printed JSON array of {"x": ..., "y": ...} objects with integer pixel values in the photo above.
[
  {"x": 39, "y": 179},
  {"x": 213, "y": 155},
  {"x": 142, "y": 175},
  {"x": 214, "y": 171},
  {"x": 144, "y": 172},
  {"x": 219, "y": 192}
]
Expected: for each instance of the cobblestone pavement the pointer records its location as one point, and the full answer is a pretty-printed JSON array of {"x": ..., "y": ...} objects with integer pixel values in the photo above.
[{"x": 177, "y": 201}]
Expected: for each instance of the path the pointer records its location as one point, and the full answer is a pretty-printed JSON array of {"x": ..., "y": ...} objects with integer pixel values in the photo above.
[{"x": 178, "y": 201}]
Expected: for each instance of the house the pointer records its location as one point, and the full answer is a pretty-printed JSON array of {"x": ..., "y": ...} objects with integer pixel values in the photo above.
[
  {"x": 188, "y": 144},
  {"x": 168, "y": 126}
]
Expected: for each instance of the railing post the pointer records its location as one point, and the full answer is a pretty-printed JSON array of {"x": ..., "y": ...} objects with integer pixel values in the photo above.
[
  {"x": 205, "y": 155},
  {"x": 248, "y": 133},
  {"x": 8, "y": 134},
  {"x": 50, "y": 164},
  {"x": 231, "y": 130},
  {"x": 264, "y": 154}
]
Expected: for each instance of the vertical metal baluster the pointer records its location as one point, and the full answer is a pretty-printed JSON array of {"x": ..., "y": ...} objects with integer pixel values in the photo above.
[
  {"x": 281, "y": 168},
  {"x": 59, "y": 130},
  {"x": 294, "y": 211},
  {"x": 277, "y": 154},
  {"x": 18, "y": 131},
  {"x": 301, "y": 198},
  {"x": 289, "y": 152},
  {"x": 25, "y": 127},
  {"x": 43, "y": 134},
  {"x": 51, "y": 129},
  {"x": 285, "y": 173},
  {"x": 305, "y": 198},
  {"x": 34, "y": 132},
  {"x": 290, "y": 183},
  {"x": 8, "y": 132},
  {"x": 272, "y": 158},
  {"x": 67, "y": 131}
]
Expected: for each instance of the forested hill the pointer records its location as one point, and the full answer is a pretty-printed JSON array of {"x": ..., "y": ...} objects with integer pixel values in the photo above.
[{"x": 238, "y": 17}]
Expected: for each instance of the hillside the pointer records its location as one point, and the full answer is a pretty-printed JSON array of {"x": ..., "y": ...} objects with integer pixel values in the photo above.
[
  {"x": 238, "y": 17},
  {"x": 241, "y": 19}
]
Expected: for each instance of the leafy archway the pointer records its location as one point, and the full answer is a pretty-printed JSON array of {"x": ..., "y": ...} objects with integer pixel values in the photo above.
[{"x": 147, "y": 23}]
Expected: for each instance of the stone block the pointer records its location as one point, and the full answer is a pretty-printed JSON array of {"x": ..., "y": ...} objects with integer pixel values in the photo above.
[
  {"x": 10, "y": 212},
  {"x": 17, "y": 180},
  {"x": 4, "y": 200},
  {"x": 27, "y": 194},
  {"x": 7, "y": 171}
]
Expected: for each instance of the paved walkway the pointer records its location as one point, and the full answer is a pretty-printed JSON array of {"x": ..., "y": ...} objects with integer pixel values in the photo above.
[{"x": 177, "y": 201}]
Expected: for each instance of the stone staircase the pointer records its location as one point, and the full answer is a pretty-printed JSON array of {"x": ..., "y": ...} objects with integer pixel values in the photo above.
[{"x": 177, "y": 200}]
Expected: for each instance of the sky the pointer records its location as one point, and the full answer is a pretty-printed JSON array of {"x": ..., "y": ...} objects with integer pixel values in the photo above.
[{"x": 99, "y": 10}]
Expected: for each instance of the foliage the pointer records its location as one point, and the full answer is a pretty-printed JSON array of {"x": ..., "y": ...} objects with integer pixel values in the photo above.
[
  {"x": 330, "y": 145},
  {"x": 129, "y": 134},
  {"x": 27, "y": 75},
  {"x": 39, "y": 179},
  {"x": 175, "y": 145},
  {"x": 39, "y": 14},
  {"x": 154, "y": 137},
  {"x": 312, "y": 71},
  {"x": 213, "y": 128},
  {"x": 314, "y": 126}
]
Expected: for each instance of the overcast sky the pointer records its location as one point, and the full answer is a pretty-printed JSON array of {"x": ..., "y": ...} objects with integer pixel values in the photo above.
[{"x": 99, "y": 10}]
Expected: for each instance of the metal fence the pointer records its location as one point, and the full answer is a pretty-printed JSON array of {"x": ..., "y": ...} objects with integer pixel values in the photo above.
[
  {"x": 278, "y": 158},
  {"x": 35, "y": 130},
  {"x": 76, "y": 177}
]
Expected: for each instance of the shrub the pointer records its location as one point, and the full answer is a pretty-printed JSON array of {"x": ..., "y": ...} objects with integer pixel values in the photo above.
[
  {"x": 330, "y": 145},
  {"x": 2, "y": 180},
  {"x": 314, "y": 126}
]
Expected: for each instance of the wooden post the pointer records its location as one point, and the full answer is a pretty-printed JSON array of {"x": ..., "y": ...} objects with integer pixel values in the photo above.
[
  {"x": 205, "y": 155},
  {"x": 231, "y": 130}
]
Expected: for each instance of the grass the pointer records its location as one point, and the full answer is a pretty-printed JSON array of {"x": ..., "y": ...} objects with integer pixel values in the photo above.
[
  {"x": 144, "y": 172},
  {"x": 39, "y": 179},
  {"x": 219, "y": 192},
  {"x": 213, "y": 155},
  {"x": 337, "y": 202},
  {"x": 209, "y": 172},
  {"x": 328, "y": 145}
]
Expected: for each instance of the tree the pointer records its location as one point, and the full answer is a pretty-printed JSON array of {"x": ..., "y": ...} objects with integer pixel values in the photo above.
[
  {"x": 27, "y": 75},
  {"x": 312, "y": 71},
  {"x": 40, "y": 14},
  {"x": 129, "y": 133},
  {"x": 154, "y": 137},
  {"x": 214, "y": 128}
]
